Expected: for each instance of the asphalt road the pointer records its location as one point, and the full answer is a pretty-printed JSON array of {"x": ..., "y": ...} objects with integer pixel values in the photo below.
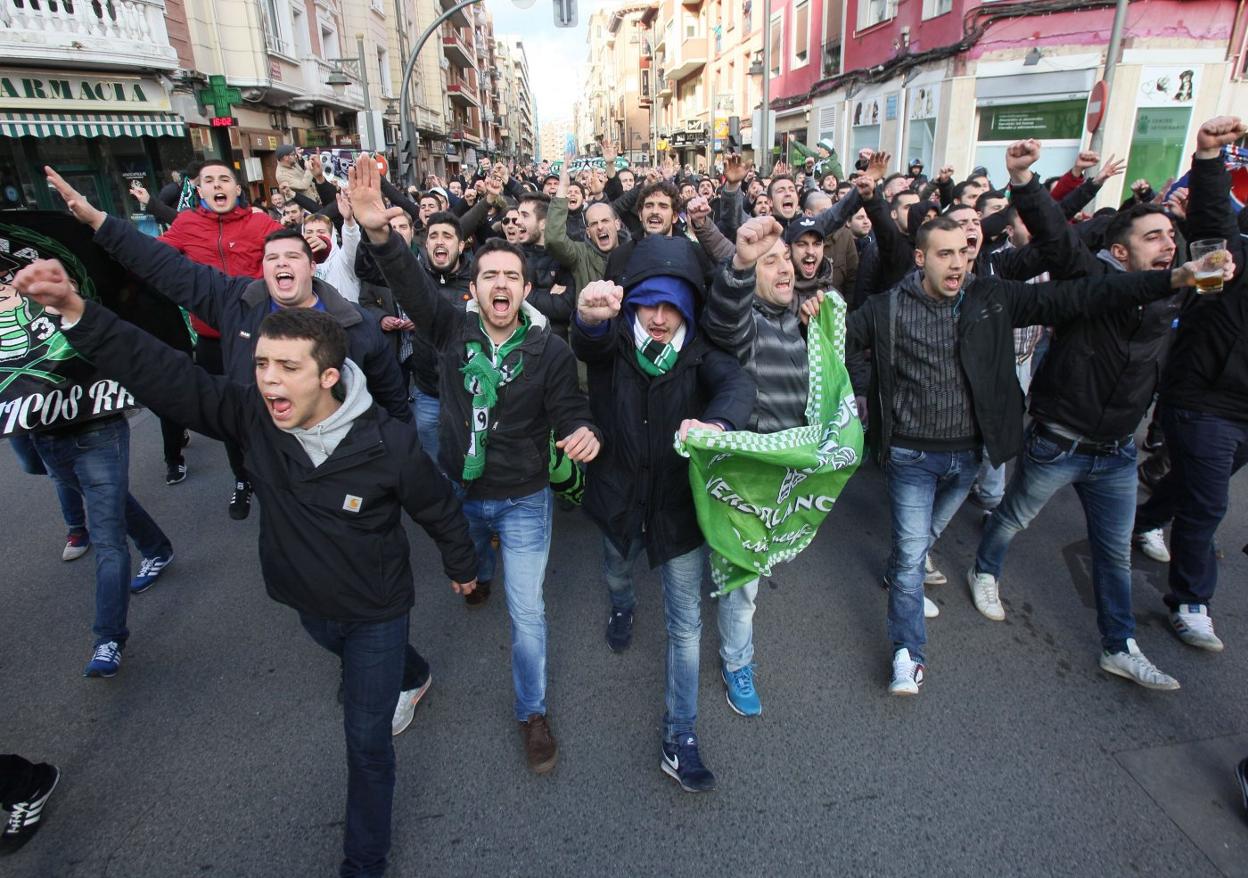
[{"x": 218, "y": 748}]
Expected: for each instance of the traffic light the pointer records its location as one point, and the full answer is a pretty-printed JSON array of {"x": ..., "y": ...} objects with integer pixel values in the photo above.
[
  {"x": 565, "y": 13},
  {"x": 408, "y": 170}
]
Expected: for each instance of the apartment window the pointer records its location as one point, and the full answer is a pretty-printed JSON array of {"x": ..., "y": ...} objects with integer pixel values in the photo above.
[
  {"x": 383, "y": 73},
  {"x": 777, "y": 44},
  {"x": 873, "y": 12},
  {"x": 747, "y": 16},
  {"x": 801, "y": 33},
  {"x": 275, "y": 37},
  {"x": 691, "y": 26},
  {"x": 330, "y": 50},
  {"x": 303, "y": 39},
  {"x": 933, "y": 8}
]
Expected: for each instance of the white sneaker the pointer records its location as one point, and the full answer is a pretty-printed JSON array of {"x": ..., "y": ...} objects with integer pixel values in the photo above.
[
  {"x": 1194, "y": 627},
  {"x": 984, "y": 594},
  {"x": 932, "y": 576},
  {"x": 1153, "y": 544},
  {"x": 1134, "y": 666},
  {"x": 930, "y": 610},
  {"x": 907, "y": 674},
  {"x": 406, "y": 708}
]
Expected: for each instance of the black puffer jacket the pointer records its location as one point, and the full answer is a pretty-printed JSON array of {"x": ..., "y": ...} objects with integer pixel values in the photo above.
[
  {"x": 986, "y": 316},
  {"x": 545, "y": 272},
  {"x": 638, "y": 484}
]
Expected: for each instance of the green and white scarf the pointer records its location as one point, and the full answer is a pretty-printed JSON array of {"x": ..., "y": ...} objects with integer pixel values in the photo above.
[
  {"x": 760, "y": 497},
  {"x": 484, "y": 374},
  {"x": 654, "y": 357}
]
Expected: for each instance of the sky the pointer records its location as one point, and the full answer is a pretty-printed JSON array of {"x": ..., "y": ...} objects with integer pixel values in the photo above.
[{"x": 556, "y": 56}]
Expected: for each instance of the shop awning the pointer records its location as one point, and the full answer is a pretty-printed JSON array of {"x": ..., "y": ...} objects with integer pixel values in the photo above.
[{"x": 91, "y": 125}]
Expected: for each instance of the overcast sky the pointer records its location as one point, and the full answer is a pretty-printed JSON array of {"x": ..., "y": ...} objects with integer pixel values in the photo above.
[{"x": 556, "y": 55}]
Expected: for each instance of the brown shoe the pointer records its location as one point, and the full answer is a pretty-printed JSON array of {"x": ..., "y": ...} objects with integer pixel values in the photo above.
[
  {"x": 539, "y": 744},
  {"x": 478, "y": 595}
]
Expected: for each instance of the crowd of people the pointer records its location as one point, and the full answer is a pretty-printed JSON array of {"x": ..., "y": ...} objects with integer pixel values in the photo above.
[{"x": 477, "y": 351}]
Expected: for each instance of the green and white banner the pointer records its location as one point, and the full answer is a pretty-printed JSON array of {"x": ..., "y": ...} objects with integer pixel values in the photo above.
[{"x": 761, "y": 497}]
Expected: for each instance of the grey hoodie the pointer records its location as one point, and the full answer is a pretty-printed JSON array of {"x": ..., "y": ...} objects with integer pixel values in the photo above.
[{"x": 320, "y": 441}]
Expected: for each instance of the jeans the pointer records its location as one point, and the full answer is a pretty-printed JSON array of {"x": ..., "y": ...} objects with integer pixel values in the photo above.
[
  {"x": 375, "y": 658},
  {"x": 523, "y": 527},
  {"x": 1105, "y": 485},
  {"x": 736, "y": 626},
  {"x": 426, "y": 409},
  {"x": 1205, "y": 451},
  {"x": 71, "y": 501},
  {"x": 94, "y": 462},
  {"x": 682, "y": 595},
  {"x": 925, "y": 489}
]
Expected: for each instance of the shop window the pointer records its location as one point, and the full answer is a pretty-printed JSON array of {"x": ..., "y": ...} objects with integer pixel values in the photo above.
[
  {"x": 1157, "y": 143},
  {"x": 919, "y": 144},
  {"x": 1058, "y": 124}
]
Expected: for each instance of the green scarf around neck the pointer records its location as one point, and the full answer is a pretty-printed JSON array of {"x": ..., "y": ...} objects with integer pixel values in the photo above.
[{"x": 484, "y": 374}]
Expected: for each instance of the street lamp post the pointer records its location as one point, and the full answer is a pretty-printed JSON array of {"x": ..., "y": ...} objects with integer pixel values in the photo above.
[{"x": 357, "y": 68}]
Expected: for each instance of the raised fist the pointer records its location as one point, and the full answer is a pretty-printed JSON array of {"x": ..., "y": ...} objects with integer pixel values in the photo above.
[{"x": 599, "y": 302}]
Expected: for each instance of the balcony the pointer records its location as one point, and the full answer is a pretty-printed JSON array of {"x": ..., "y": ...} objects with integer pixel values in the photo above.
[
  {"x": 120, "y": 33},
  {"x": 460, "y": 18},
  {"x": 467, "y": 135},
  {"x": 456, "y": 50},
  {"x": 315, "y": 71},
  {"x": 462, "y": 94},
  {"x": 691, "y": 57}
]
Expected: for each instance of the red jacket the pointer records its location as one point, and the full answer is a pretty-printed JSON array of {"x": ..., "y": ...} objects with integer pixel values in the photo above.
[{"x": 233, "y": 243}]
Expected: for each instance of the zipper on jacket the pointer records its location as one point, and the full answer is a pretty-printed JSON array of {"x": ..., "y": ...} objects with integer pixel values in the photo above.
[{"x": 221, "y": 250}]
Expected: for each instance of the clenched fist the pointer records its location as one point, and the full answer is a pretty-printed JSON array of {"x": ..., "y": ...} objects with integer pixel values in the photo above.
[{"x": 599, "y": 302}]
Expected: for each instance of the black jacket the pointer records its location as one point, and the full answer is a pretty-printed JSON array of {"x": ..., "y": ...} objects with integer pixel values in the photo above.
[
  {"x": 638, "y": 485},
  {"x": 545, "y": 271},
  {"x": 989, "y": 311},
  {"x": 316, "y": 555},
  {"x": 235, "y": 307},
  {"x": 542, "y": 398},
  {"x": 1208, "y": 366},
  {"x": 1100, "y": 373}
]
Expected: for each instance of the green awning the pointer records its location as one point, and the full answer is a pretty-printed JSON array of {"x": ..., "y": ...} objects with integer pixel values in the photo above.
[{"x": 91, "y": 125}]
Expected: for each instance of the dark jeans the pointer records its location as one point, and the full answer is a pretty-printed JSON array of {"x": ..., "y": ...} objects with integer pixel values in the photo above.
[
  {"x": 1105, "y": 485},
  {"x": 17, "y": 780},
  {"x": 94, "y": 462},
  {"x": 1205, "y": 451},
  {"x": 208, "y": 357},
  {"x": 71, "y": 501},
  {"x": 375, "y": 661}
]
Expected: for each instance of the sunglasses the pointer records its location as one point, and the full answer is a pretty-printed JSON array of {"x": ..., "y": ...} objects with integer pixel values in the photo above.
[{"x": 510, "y": 222}]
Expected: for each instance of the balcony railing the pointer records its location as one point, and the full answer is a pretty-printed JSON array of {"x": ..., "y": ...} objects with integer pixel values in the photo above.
[
  {"x": 123, "y": 33},
  {"x": 315, "y": 72}
]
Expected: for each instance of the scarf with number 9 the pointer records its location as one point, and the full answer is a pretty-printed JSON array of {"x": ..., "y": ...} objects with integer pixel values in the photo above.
[{"x": 484, "y": 374}]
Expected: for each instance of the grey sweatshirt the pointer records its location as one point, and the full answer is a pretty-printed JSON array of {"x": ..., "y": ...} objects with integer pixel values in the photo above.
[{"x": 320, "y": 441}]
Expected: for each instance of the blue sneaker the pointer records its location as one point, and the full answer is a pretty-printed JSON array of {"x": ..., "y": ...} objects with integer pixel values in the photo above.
[
  {"x": 681, "y": 761},
  {"x": 104, "y": 661},
  {"x": 740, "y": 692},
  {"x": 620, "y": 630},
  {"x": 148, "y": 571}
]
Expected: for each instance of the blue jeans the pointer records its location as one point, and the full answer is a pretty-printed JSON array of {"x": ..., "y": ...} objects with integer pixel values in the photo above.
[
  {"x": 71, "y": 501},
  {"x": 426, "y": 410},
  {"x": 736, "y": 626},
  {"x": 1106, "y": 486},
  {"x": 1205, "y": 452},
  {"x": 925, "y": 489},
  {"x": 523, "y": 528},
  {"x": 374, "y": 659},
  {"x": 682, "y": 596},
  {"x": 94, "y": 462}
]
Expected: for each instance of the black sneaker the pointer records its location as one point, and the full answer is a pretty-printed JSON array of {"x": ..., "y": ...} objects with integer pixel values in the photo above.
[
  {"x": 240, "y": 503},
  {"x": 24, "y": 818},
  {"x": 479, "y": 595},
  {"x": 175, "y": 473},
  {"x": 681, "y": 761},
  {"x": 620, "y": 630}
]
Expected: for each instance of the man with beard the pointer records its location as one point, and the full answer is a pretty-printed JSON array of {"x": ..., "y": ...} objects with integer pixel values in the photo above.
[
  {"x": 505, "y": 383},
  {"x": 549, "y": 279},
  {"x": 574, "y": 195}
]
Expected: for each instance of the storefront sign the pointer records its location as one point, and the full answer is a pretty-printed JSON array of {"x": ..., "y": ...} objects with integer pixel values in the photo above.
[
  {"x": 65, "y": 91},
  {"x": 1051, "y": 120},
  {"x": 922, "y": 102}
]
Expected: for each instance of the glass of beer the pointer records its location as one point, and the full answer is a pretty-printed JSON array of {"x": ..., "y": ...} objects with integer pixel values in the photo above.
[{"x": 1210, "y": 255}]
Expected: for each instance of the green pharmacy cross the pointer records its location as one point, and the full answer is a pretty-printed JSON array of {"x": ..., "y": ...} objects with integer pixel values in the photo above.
[{"x": 219, "y": 96}]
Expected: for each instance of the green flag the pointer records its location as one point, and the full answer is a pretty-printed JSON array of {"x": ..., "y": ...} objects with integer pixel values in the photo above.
[{"x": 761, "y": 497}]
